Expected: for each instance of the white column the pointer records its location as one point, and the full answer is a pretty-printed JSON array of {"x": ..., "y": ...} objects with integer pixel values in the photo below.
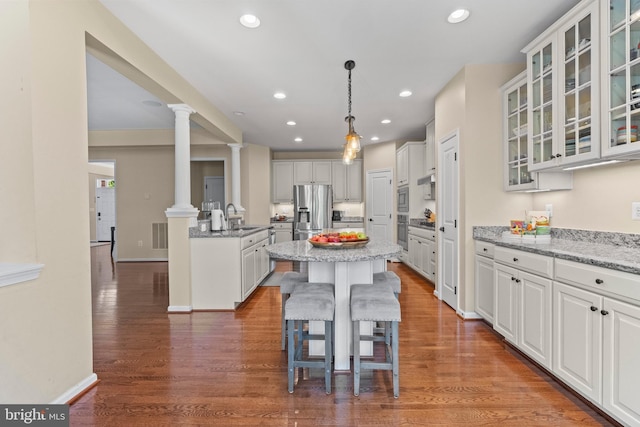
[
  {"x": 235, "y": 176},
  {"x": 182, "y": 200}
]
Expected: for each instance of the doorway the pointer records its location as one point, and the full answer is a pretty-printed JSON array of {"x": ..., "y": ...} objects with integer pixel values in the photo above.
[
  {"x": 379, "y": 205},
  {"x": 448, "y": 194}
]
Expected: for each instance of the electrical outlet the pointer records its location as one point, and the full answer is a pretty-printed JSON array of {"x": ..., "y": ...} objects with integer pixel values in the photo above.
[
  {"x": 139, "y": 243},
  {"x": 635, "y": 211},
  {"x": 549, "y": 208}
]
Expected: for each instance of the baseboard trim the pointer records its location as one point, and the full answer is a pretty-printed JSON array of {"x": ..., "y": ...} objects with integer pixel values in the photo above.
[
  {"x": 77, "y": 390},
  {"x": 179, "y": 309},
  {"x": 469, "y": 315}
]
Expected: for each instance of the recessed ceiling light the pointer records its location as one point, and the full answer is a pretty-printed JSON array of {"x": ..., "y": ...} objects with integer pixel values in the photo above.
[
  {"x": 405, "y": 93},
  {"x": 250, "y": 21},
  {"x": 291, "y": 123},
  {"x": 458, "y": 16},
  {"x": 239, "y": 113},
  {"x": 152, "y": 103},
  {"x": 279, "y": 95},
  {"x": 385, "y": 121},
  {"x": 374, "y": 138},
  {"x": 298, "y": 139}
]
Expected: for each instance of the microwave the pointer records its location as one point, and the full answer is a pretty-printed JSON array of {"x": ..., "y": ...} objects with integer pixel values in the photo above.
[{"x": 403, "y": 199}]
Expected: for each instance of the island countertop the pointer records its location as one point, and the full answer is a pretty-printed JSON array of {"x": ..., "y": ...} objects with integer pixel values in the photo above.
[{"x": 301, "y": 250}]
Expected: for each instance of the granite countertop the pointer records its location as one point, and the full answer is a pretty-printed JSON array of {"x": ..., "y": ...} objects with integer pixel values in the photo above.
[
  {"x": 617, "y": 251},
  {"x": 422, "y": 223},
  {"x": 194, "y": 232},
  {"x": 351, "y": 219},
  {"x": 289, "y": 220},
  {"x": 301, "y": 250}
]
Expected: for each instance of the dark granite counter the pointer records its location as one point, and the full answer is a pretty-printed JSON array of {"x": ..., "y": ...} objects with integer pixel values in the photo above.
[{"x": 617, "y": 251}]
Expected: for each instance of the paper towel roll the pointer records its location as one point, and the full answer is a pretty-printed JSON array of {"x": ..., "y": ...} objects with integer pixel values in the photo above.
[{"x": 217, "y": 220}]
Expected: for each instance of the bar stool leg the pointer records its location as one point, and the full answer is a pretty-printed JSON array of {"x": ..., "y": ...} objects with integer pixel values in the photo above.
[
  {"x": 285, "y": 297},
  {"x": 328, "y": 326},
  {"x": 291, "y": 351},
  {"x": 394, "y": 346},
  {"x": 356, "y": 358}
]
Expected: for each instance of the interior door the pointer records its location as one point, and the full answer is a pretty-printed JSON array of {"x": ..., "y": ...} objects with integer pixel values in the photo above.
[
  {"x": 105, "y": 212},
  {"x": 214, "y": 189},
  {"x": 448, "y": 193},
  {"x": 379, "y": 205}
]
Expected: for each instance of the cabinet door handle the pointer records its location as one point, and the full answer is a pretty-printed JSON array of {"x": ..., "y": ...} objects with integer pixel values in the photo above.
[
  {"x": 484, "y": 249},
  {"x": 441, "y": 229},
  {"x": 513, "y": 278},
  {"x": 604, "y": 312},
  {"x": 515, "y": 259},
  {"x": 599, "y": 281},
  {"x": 594, "y": 308},
  {"x": 559, "y": 155},
  {"x": 517, "y": 280}
]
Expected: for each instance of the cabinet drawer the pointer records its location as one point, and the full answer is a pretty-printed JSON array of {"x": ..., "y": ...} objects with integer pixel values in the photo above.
[
  {"x": 533, "y": 263},
  {"x": 602, "y": 280},
  {"x": 253, "y": 239},
  {"x": 283, "y": 225},
  {"x": 485, "y": 248},
  {"x": 421, "y": 232}
]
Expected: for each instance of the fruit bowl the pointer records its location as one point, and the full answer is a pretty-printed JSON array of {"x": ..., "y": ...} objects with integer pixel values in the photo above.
[{"x": 351, "y": 244}]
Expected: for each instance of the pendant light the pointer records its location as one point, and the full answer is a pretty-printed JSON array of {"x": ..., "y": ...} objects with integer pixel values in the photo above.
[{"x": 352, "y": 145}]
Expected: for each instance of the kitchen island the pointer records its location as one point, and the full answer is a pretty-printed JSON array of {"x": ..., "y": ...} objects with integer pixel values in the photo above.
[
  {"x": 342, "y": 267},
  {"x": 227, "y": 266}
]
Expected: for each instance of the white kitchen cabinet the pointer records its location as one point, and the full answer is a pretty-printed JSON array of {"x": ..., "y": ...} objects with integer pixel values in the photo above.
[
  {"x": 347, "y": 181},
  {"x": 484, "y": 280},
  {"x": 621, "y": 78},
  {"x": 312, "y": 172},
  {"x": 402, "y": 166},
  {"x": 596, "y": 338},
  {"x": 282, "y": 182},
  {"x": 515, "y": 142},
  {"x": 563, "y": 87},
  {"x": 255, "y": 263},
  {"x": 523, "y": 301},
  {"x": 422, "y": 251},
  {"x": 430, "y": 149},
  {"x": 284, "y": 231}
]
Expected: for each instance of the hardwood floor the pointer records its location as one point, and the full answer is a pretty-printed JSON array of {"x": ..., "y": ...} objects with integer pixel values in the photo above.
[{"x": 226, "y": 368}]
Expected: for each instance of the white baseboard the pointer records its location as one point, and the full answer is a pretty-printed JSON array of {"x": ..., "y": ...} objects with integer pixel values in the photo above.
[
  {"x": 74, "y": 391},
  {"x": 180, "y": 309},
  {"x": 142, "y": 259},
  {"x": 469, "y": 315}
]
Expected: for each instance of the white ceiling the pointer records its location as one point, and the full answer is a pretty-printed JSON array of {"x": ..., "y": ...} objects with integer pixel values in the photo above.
[{"x": 300, "y": 49}]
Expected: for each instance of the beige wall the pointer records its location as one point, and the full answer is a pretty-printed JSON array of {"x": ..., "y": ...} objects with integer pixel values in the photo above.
[
  {"x": 47, "y": 351},
  {"x": 471, "y": 104},
  {"x": 255, "y": 164},
  {"x": 600, "y": 200}
]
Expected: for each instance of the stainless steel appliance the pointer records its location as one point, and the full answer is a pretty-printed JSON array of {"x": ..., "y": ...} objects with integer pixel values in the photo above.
[
  {"x": 403, "y": 231},
  {"x": 312, "y": 209},
  {"x": 337, "y": 215},
  {"x": 403, "y": 199}
]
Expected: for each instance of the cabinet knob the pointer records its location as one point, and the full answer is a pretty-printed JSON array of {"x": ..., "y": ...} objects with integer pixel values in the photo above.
[
  {"x": 517, "y": 280},
  {"x": 553, "y": 156},
  {"x": 441, "y": 229},
  {"x": 599, "y": 281},
  {"x": 484, "y": 249},
  {"x": 515, "y": 259},
  {"x": 513, "y": 278},
  {"x": 604, "y": 312},
  {"x": 594, "y": 308},
  {"x": 559, "y": 155}
]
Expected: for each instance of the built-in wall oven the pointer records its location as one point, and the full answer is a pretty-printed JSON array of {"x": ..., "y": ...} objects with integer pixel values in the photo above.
[
  {"x": 403, "y": 231},
  {"x": 403, "y": 199}
]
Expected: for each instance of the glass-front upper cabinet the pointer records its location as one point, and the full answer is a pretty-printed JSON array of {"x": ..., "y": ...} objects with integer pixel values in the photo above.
[
  {"x": 515, "y": 130},
  {"x": 540, "y": 65},
  {"x": 562, "y": 72},
  {"x": 580, "y": 89},
  {"x": 622, "y": 65}
]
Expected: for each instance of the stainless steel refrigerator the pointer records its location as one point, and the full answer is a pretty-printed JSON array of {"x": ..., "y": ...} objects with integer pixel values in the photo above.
[{"x": 312, "y": 209}]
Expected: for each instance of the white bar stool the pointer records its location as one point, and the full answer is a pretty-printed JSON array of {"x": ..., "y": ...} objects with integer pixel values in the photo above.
[{"x": 288, "y": 283}]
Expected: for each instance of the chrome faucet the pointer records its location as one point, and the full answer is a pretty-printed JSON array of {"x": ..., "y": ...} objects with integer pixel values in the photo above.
[{"x": 226, "y": 212}]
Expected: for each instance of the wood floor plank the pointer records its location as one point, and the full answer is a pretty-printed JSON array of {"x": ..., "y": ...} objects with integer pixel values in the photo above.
[{"x": 226, "y": 368}]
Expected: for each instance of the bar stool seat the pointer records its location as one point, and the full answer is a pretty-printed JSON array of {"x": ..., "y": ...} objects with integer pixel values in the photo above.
[
  {"x": 389, "y": 278},
  {"x": 313, "y": 301},
  {"x": 377, "y": 304},
  {"x": 287, "y": 284}
]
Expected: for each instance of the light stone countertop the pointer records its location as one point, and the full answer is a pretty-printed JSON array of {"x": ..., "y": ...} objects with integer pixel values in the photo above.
[
  {"x": 301, "y": 250},
  {"x": 617, "y": 251},
  {"x": 194, "y": 232}
]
